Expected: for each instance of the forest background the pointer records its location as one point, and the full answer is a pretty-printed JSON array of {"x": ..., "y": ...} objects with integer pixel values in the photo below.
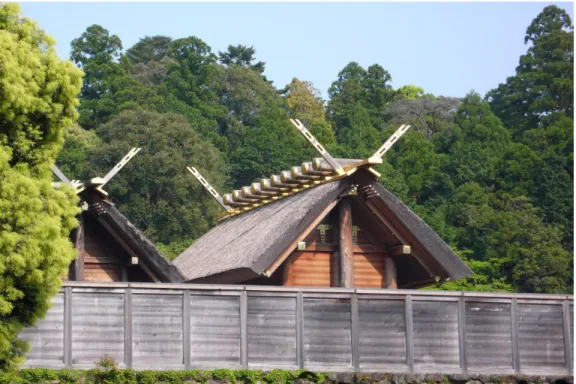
[{"x": 493, "y": 176}]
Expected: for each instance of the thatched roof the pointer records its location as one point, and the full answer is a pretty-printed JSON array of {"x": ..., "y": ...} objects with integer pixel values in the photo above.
[
  {"x": 246, "y": 245},
  {"x": 243, "y": 246}
]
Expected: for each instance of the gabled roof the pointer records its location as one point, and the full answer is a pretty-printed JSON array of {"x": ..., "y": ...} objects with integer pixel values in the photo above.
[
  {"x": 130, "y": 237},
  {"x": 256, "y": 241},
  {"x": 244, "y": 246}
]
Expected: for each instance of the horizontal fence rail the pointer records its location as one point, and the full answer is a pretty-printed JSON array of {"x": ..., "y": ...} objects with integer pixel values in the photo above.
[{"x": 185, "y": 326}]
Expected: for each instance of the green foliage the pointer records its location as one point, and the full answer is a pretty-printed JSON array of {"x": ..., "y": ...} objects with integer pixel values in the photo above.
[
  {"x": 241, "y": 55},
  {"x": 113, "y": 375},
  {"x": 74, "y": 160},
  {"x": 155, "y": 191},
  {"x": 37, "y": 102},
  {"x": 37, "y": 90}
]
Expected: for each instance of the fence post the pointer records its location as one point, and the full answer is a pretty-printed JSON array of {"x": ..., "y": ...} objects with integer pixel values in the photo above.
[
  {"x": 186, "y": 328},
  {"x": 355, "y": 330},
  {"x": 244, "y": 329},
  {"x": 68, "y": 327},
  {"x": 462, "y": 332},
  {"x": 128, "y": 327},
  {"x": 409, "y": 333},
  {"x": 567, "y": 339},
  {"x": 514, "y": 328},
  {"x": 300, "y": 330}
]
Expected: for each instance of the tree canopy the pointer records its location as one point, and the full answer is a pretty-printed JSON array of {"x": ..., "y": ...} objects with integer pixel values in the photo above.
[{"x": 38, "y": 97}]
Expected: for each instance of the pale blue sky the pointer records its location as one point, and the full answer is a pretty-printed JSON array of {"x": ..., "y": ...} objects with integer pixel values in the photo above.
[{"x": 446, "y": 48}]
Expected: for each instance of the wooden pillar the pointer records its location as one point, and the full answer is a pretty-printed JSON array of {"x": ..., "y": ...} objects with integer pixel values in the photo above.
[
  {"x": 389, "y": 273},
  {"x": 79, "y": 244},
  {"x": 346, "y": 251}
]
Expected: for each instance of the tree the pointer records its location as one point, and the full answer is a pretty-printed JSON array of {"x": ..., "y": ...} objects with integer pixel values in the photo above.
[
  {"x": 536, "y": 105},
  {"x": 155, "y": 191},
  {"x": 37, "y": 102},
  {"x": 543, "y": 88},
  {"x": 73, "y": 160},
  {"x": 108, "y": 86},
  {"x": 149, "y": 48},
  {"x": 304, "y": 103},
  {"x": 428, "y": 114},
  {"x": 370, "y": 88},
  {"x": 241, "y": 55},
  {"x": 479, "y": 141}
]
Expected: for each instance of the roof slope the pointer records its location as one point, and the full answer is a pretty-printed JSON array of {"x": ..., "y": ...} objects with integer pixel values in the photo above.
[
  {"x": 245, "y": 245},
  {"x": 423, "y": 234},
  {"x": 145, "y": 249}
]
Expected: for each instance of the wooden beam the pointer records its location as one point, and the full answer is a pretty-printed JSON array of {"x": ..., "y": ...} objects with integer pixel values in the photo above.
[
  {"x": 346, "y": 244},
  {"x": 335, "y": 269},
  {"x": 79, "y": 244},
  {"x": 400, "y": 250},
  {"x": 390, "y": 280}
]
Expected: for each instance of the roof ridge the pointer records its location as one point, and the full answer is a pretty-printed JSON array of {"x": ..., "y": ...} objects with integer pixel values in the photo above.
[{"x": 289, "y": 182}]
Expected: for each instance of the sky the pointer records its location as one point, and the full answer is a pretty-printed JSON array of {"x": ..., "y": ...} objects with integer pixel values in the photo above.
[{"x": 447, "y": 48}]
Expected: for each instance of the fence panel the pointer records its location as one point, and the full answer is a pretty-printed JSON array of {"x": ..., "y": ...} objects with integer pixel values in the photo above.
[
  {"x": 488, "y": 336},
  {"x": 541, "y": 338},
  {"x": 97, "y": 327},
  {"x": 327, "y": 334},
  {"x": 436, "y": 336},
  {"x": 382, "y": 343},
  {"x": 157, "y": 331},
  {"x": 47, "y": 338},
  {"x": 214, "y": 331},
  {"x": 272, "y": 332},
  {"x": 169, "y": 326}
]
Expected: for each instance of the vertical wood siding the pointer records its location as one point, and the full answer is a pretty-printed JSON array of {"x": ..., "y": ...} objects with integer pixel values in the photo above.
[{"x": 170, "y": 326}]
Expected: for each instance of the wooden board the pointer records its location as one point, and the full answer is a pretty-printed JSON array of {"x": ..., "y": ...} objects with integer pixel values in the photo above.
[
  {"x": 488, "y": 336},
  {"x": 214, "y": 331},
  {"x": 369, "y": 270},
  {"x": 327, "y": 334},
  {"x": 97, "y": 328},
  {"x": 47, "y": 338},
  {"x": 382, "y": 336},
  {"x": 436, "y": 335},
  {"x": 311, "y": 269},
  {"x": 272, "y": 332},
  {"x": 157, "y": 331},
  {"x": 541, "y": 337},
  {"x": 102, "y": 272}
]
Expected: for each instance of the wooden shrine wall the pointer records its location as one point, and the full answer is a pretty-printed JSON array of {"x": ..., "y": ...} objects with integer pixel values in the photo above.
[
  {"x": 317, "y": 265},
  {"x": 104, "y": 258},
  {"x": 186, "y": 326}
]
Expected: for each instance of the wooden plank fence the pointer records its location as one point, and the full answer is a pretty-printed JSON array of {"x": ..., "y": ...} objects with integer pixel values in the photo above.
[{"x": 184, "y": 326}]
